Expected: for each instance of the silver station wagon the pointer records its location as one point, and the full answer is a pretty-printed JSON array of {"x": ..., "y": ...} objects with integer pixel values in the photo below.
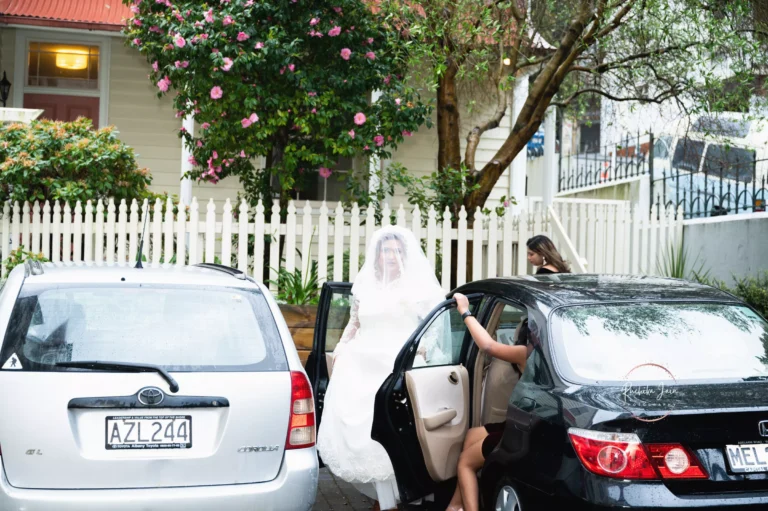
[{"x": 150, "y": 388}]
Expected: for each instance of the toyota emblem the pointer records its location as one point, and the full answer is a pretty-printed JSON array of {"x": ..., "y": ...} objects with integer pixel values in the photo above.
[{"x": 151, "y": 396}]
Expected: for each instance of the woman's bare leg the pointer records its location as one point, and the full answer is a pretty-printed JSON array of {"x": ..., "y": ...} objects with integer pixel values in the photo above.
[
  {"x": 474, "y": 436},
  {"x": 470, "y": 462}
]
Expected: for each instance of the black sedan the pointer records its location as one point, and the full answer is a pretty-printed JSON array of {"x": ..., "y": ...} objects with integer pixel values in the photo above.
[{"x": 640, "y": 392}]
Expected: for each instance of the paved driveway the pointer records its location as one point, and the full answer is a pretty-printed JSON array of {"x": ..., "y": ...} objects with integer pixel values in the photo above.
[{"x": 333, "y": 494}]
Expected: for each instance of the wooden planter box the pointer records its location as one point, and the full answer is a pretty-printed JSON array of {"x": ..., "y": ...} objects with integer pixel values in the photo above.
[{"x": 301, "y": 323}]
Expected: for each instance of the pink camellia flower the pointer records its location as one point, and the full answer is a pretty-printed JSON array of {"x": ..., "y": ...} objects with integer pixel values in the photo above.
[
  {"x": 209, "y": 15},
  {"x": 216, "y": 92},
  {"x": 135, "y": 9},
  {"x": 360, "y": 118},
  {"x": 398, "y": 101},
  {"x": 228, "y": 20},
  {"x": 155, "y": 66},
  {"x": 334, "y": 31},
  {"x": 164, "y": 84},
  {"x": 337, "y": 9},
  {"x": 247, "y": 121},
  {"x": 215, "y": 50},
  {"x": 379, "y": 140},
  {"x": 249, "y": 3},
  {"x": 314, "y": 110},
  {"x": 185, "y": 64},
  {"x": 313, "y": 22},
  {"x": 346, "y": 53},
  {"x": 227, "y": 64},
  {"x": 242, "y": 36},
  {"x": 324, "y": 172},
  {"x": 137, "y": 22},
  {"x": 407, "y": 133},
  {"x": 179, "y": 41},
  {"x": 192, "y": 161},
  {"x": 259, "y": 45},
  {"x": 366, "y": 148},
  {"x": 199, "y": 143},
  {"x": 137, "y": 41},
  {"x": 370, "y": 55},
  {"x": 387, "y": 79},
  {"x": 204, "y": 37},
  {"x": 291, "y": 67},
  {"x": 311, "y": 94},
  {"x": 205, "y": 126},
  {"x": 351, "y": 133},
  {"x": 370, "y": 40},
  {"x": 242, "y": 154},
  {"x": 155, "y": 28}
]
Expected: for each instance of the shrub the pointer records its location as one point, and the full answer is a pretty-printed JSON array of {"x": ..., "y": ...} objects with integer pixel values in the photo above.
[
  {"x": 67, "y": 161},
  {"x": 753, "y": 290}
]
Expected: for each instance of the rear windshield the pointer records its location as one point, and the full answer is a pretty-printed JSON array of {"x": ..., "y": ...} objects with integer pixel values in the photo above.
[
  {"x": 180, "y": 328},
  {"x": 673, "y": 342}
]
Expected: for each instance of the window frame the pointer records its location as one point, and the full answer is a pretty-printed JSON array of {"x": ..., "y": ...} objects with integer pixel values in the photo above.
[{"x": 23, "y": 40}]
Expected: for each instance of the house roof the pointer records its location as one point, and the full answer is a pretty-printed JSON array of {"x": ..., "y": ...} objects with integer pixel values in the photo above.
[{"x": 78, "y": 14}]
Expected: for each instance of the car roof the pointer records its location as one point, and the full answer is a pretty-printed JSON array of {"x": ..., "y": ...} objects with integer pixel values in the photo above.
[
  {"x": 91, "y": 273},
  {"x": 569, "y": 289}
]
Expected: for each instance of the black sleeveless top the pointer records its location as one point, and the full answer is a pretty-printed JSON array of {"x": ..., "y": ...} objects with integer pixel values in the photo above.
[{"x": 544, "y": 271}]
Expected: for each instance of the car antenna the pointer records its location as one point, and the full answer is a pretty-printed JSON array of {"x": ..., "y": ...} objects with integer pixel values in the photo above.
[{"x": 141, "y": 241}]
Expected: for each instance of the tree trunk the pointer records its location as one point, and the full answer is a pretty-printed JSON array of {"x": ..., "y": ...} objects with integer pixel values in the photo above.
[{"x": 448, "y": 125}]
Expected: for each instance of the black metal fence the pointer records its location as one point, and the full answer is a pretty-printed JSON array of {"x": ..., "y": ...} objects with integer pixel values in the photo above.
[
  {"x": 713, "y": 190},
  {"x": 611, "y": 163},
  {"x": 704, "y": 178}
]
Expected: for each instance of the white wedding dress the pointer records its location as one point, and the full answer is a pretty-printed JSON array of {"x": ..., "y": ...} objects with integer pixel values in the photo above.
[{"x": 381, "y": 321}]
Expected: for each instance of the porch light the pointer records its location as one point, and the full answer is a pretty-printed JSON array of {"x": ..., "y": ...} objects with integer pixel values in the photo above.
[
  {"x": 5, "y": 89},
  {"x": 71, "y": 59},
  {"x": 507, "y": 61}
]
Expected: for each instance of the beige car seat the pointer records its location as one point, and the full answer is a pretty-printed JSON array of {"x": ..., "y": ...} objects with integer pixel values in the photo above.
[{"x": 500, "y": 381}]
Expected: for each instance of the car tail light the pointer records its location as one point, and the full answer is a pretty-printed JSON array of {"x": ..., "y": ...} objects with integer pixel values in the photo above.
[
  {"x": 301, "y": 428},
  {"x": 619, "y": 455},
  {"x": 623, "y": 456},
  {"x": 673, "y": 461}
]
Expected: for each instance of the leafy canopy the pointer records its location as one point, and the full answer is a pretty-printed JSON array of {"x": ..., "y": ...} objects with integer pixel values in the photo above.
[{"x": 285, "y": 79}]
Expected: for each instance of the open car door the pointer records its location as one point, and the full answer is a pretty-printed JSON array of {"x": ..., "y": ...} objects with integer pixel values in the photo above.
[
  {"x": 422, "y": 411},
  {"x": 332, "y": 316}
]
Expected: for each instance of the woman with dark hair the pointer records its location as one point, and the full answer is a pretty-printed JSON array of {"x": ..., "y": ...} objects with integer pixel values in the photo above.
[
  {"x": 480, "y": 441},
  {"x": 543, "y": 254}
]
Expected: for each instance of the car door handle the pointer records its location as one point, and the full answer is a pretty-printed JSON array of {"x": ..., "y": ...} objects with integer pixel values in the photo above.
[
  {"x": 440, "y": 419},
  {"x": 453, "y": 377}
]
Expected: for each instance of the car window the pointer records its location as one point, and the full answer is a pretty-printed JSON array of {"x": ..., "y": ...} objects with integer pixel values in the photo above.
[
  {"x": 441, "y": 343},
  {"x": 181, "y": 328},
  {"x": 661, "y": 147},
  {"x": 734, "y": 162},
  {"x": 660, "y": 341},
  {"x": 688, "y": 154}
]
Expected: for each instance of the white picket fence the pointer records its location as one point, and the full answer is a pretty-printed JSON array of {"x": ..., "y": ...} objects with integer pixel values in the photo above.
[{"x": 609, "y": 237}]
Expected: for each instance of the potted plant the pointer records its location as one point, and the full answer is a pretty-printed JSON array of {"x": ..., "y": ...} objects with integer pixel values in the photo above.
[{"x": 298, "y": 293}]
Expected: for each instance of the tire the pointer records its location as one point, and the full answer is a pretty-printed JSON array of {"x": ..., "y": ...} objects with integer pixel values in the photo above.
[{"x": 511, "y": 496}]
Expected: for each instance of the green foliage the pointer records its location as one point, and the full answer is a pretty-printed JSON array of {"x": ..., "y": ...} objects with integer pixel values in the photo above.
[
  {"x": 290, "y": 81},
  {"x": 68, "y": 161},
  {"x": 441, "y": 190},
  {"x": 753, "y": 290},
  {"x": 18, "y": 256},
  {"x": 675, "y": 263},
  {"x": 294, "y": 289}
]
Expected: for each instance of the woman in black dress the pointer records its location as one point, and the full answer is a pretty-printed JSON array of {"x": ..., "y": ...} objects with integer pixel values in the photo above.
[
  {"x": 543, "y": 255},
  {"x": 480, "y": 441}
]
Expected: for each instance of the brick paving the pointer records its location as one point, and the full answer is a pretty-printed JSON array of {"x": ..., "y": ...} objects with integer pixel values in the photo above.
[{"x": 334, "y": 494}]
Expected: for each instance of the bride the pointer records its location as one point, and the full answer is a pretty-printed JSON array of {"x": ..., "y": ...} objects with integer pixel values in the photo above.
[{"x": 395, "y": 289}]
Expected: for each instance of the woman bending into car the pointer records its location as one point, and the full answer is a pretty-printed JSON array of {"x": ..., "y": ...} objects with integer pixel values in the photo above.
[{"x": 480, "y": 441}]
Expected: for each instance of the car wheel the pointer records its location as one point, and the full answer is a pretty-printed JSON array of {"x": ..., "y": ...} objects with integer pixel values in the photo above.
[{"x": 507, "y": 498}]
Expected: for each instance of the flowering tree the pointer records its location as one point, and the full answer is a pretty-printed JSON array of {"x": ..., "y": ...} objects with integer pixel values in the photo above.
[{"x": 289, "y": 80}]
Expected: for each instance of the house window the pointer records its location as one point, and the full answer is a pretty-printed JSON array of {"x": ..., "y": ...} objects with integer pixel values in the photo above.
[
  {"x": 63, "y": 66},
  {"x": 312, "y": 186}
]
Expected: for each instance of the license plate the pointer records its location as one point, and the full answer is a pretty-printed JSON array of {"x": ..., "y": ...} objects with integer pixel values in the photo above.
[
  {"x": 149, "y": 432},
  {"x": 748, "y": 457}
]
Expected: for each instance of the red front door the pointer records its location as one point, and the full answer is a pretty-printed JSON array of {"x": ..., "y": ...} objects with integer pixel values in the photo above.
[{"x": 64, "y": 108}]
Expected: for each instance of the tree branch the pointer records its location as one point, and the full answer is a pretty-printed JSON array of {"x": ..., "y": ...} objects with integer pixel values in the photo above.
[
  {"x": 473, "y": 139},
  {"x": 659, "y": 98},
  {"x": 602, "y": 68}
]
